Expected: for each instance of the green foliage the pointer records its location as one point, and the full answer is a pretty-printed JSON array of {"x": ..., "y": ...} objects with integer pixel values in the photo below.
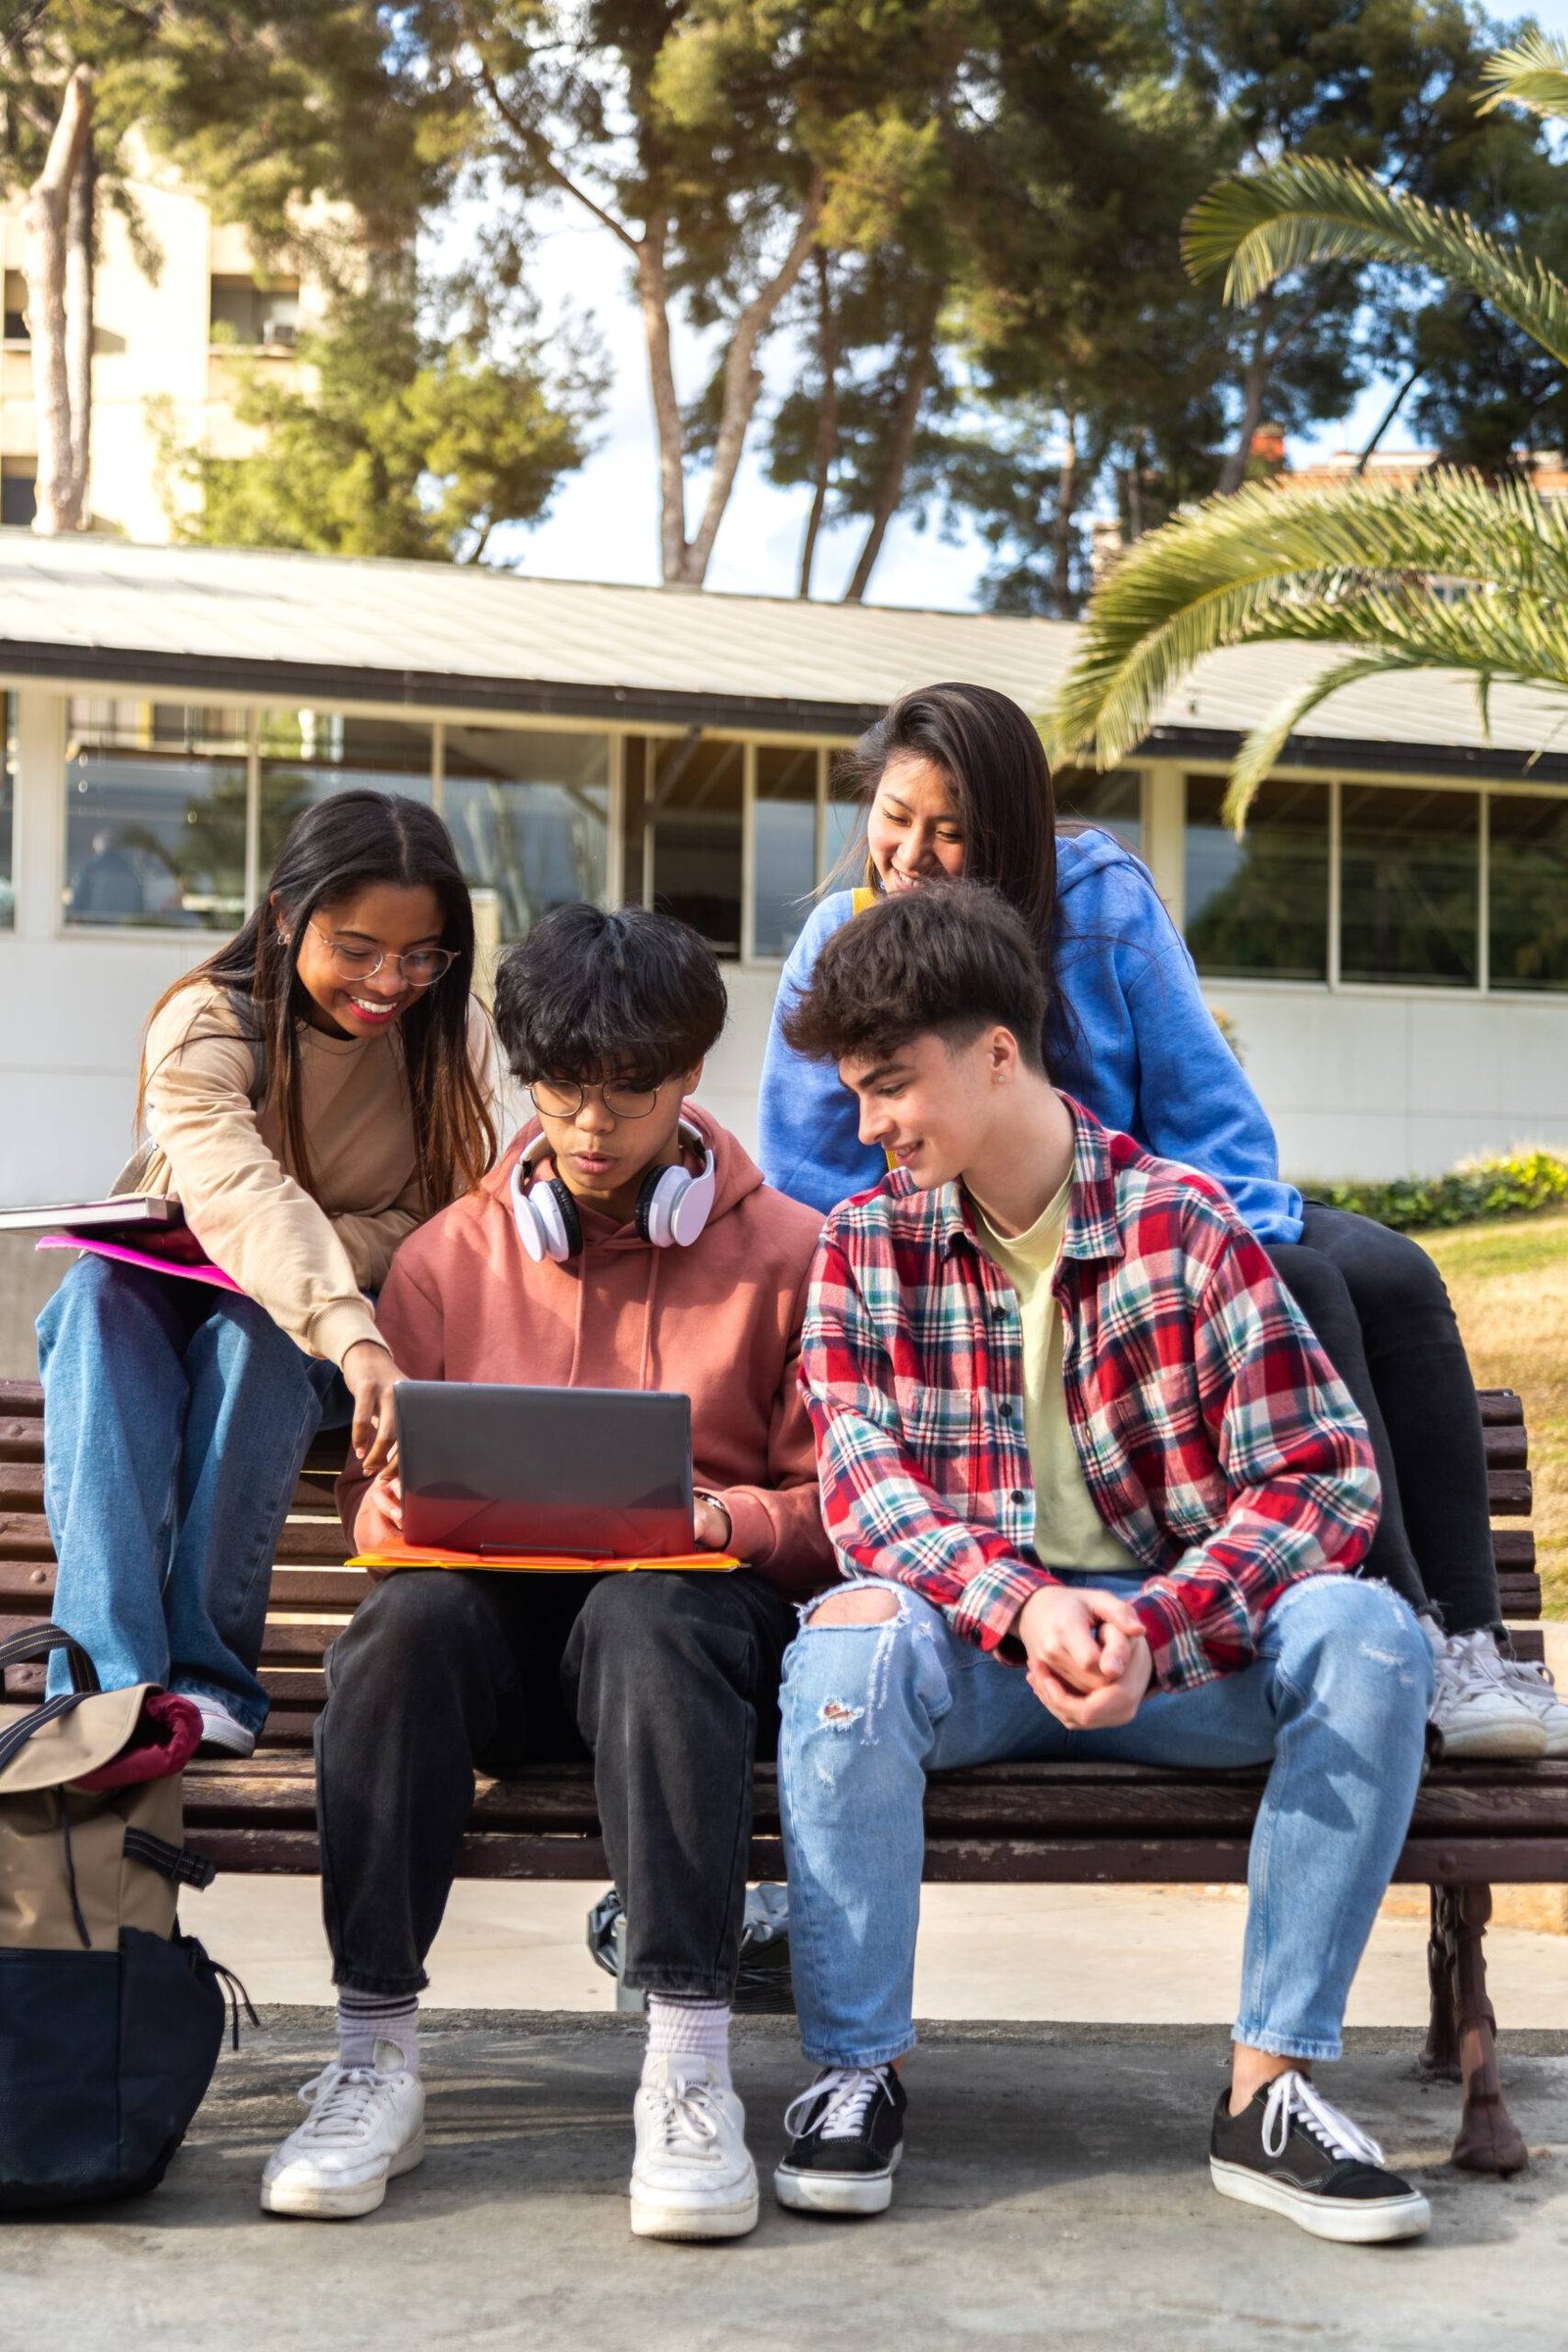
[
  {"x": 395, "y": 443},
  {"x": 1507, "y": 1185},
  {"x": 1457, "y": 573}
]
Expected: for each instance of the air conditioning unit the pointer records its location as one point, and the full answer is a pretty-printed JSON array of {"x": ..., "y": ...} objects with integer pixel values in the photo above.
[{"x": 280, "y": 332}]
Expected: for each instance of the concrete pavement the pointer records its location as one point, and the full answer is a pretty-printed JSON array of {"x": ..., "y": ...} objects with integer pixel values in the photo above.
[
  {"x": 1150, "y": 1955},
  {"x": 1055, "y": 2192}
]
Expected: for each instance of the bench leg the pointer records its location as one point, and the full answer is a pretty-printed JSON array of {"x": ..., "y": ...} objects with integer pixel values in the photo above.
[{"x": 1462, "y": 2040}]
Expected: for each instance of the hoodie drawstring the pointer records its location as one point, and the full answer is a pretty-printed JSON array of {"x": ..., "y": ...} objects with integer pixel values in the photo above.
[{"x": 645, "y": 1367}]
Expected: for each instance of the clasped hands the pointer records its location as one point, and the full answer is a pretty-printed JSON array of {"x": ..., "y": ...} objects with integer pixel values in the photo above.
[{"x": 1089, "y": 1660}]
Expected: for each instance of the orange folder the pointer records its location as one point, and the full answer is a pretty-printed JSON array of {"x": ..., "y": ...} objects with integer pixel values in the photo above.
[{"x": 531, "y": 1563}]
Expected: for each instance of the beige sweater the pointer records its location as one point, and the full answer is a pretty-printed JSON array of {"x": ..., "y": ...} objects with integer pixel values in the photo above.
[{"x": 305, "y": 1257}]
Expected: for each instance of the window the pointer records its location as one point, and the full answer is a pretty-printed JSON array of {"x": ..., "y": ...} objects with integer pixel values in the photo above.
[
  {"x": 691, "y": 810},
  {"x": 244, "y": 311},
  {"x": 16, "y": 307},
  {"x": 8, "y": 810},
  {"x": 19, "y": 492},
  {"x": 530, "y": 816},
  {"x": 784, "y": 845},
  {"x": 1114, "y": 803},
  {"x": 1526, "y": 891},
  {"x": 1258, "y": 906},
  {"x": 1409, "y": 865},
  {"x": 841, "y": 824},
  {"x": 308, "y": 754},
  {"x": 155, "y": 815}
]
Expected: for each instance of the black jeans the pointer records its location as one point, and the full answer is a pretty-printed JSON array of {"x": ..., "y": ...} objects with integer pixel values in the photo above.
[
  {"x": 670, "y": 1681},
  {"x": 1377, "y": 1303}
]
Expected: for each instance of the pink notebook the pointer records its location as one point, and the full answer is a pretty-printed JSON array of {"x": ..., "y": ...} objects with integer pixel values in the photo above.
[{"x": 203, "y": 1270}]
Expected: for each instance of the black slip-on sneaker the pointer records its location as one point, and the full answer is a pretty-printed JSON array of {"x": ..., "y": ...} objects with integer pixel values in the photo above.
[
  {"x": 847, "y": 2135},
  {"x": 1291, "y": 2151}
]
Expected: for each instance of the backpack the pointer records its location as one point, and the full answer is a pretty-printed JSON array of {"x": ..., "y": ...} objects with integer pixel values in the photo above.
[{"x": 110, "y": 2019}]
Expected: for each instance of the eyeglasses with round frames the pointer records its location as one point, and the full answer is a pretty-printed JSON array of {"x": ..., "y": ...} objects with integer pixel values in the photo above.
[
  {"x": 420, "y": 967},
  {"x": 556, "y": 1098}
]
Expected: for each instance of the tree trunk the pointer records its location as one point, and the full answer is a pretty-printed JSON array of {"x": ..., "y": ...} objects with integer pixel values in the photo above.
[
  {"x": 1255, "y": 391},
  {"x": 907, "y": 416},
  {"x": 1061, "y": 525},
  {"x": 80, "y": 328},
  {"x": 45, "y": 212},
  {"x": 653, "y": 296},
  {"x": 827, "y": 424},
  {"x": 743, "y": 381}
]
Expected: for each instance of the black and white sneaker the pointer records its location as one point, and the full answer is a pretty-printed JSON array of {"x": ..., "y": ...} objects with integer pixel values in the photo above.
[
  {"x": 1293, "y": 2152},
  {"x": 847, "y": 2138}
]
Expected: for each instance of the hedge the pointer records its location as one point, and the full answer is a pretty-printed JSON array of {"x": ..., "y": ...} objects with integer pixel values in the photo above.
[{"x": 1510, "y": 1184}]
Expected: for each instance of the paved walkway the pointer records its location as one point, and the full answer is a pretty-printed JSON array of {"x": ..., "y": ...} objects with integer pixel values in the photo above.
[
  {"x": 1054, "y": 2193},
  {"x": 1074, "y": 1954}
]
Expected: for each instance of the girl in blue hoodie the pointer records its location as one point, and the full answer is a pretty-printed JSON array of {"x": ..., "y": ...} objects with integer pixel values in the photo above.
[{"x": 952, "y": 780}]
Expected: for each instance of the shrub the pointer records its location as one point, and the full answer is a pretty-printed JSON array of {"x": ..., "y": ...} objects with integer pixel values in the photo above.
[{"x": 1507, "y": 1184}]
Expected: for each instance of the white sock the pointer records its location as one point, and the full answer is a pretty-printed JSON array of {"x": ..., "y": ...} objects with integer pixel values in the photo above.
[
  {"x": 682, "y": 2028},
  {"x": 364, "y": 2019}
]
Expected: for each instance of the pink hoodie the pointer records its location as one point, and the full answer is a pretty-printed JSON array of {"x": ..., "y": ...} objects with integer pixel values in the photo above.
[{"x": 721, "y": 1321}]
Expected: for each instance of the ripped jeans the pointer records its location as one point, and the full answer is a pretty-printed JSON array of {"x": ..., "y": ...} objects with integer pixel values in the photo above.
[{"x": 1335, "y": 1700}]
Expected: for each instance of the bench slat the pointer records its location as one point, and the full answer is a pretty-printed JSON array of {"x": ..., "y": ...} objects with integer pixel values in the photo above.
[
  {"x": 1102, "y": 1861},
  {"x": 1019, "y": 1801}
]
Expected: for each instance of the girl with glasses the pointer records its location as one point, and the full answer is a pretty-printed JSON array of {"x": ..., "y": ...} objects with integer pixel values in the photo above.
[{"x": 310, "y": 1093}]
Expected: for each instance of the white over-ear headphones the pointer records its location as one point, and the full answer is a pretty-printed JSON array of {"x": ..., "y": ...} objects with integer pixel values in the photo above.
[{"x": 673, "y": 1205}]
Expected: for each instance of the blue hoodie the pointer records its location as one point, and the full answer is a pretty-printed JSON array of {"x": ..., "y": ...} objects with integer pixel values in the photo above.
[{"x": 1147, "y": 1058}]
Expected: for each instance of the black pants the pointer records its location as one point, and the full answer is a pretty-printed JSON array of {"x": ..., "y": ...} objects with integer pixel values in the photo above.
[
  {"x": 1377, "y": 1303},
  {"x": 670, "y": 1681}
]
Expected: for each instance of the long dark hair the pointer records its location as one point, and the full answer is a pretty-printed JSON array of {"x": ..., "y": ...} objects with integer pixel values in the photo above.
[
  {"x": 335, "y": 848},
  {"x": 992, "y": 755}
]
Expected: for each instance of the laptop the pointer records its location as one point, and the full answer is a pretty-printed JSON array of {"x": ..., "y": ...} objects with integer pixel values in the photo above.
[
  {"x": 605, "y": 1473},
  {"x": 129, "y": 1212}
]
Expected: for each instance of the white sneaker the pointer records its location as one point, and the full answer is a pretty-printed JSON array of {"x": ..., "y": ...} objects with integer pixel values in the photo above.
[
  {"x": 1476, "y": 1710},
  {"x": 1536, "y": 1687},
  {"x": 693, "y": 2177},
  {"x": 366, "y": 2126},
  {"x": 222, "y": 1732}
]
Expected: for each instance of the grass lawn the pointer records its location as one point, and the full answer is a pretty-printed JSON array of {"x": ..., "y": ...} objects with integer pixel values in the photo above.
[{"x": 1509, "y": 1286}]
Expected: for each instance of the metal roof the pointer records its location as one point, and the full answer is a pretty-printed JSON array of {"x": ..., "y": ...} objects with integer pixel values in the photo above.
[{"x": 195, "y": 620}]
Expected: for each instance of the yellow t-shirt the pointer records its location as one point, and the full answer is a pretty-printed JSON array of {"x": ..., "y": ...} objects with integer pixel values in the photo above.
[{"x": 1069, "y": 1533}]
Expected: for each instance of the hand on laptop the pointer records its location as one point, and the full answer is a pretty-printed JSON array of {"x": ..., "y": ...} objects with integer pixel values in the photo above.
[
  {"x": 712, "y": 1523},
  {"x": 371, "y": 1376},
  {"x": 1089, "y": 1661},
  {"x": 389, "y": 1493}
]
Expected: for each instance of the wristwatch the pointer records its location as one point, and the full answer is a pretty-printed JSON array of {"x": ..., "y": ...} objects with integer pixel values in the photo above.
[{"x": 703, "y": 1495}]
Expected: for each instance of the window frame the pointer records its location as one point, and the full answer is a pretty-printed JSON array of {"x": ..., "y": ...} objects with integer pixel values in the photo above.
[{"x": 1484, "y": 789}]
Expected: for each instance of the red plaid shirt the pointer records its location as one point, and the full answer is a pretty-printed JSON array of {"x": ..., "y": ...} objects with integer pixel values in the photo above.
[{"x": 1215, "y": 1438}]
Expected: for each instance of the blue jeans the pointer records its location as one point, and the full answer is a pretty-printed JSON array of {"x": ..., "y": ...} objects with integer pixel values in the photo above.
[
  {"x": 1336, "y": 1698},
  {"x": 177, "y": 1420}
]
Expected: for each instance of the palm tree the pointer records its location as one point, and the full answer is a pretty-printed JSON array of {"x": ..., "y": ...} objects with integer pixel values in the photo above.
[{"x": 1452, "y": 571}]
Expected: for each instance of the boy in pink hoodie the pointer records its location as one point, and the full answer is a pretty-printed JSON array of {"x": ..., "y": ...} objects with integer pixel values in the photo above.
[{"x": 670, "y": 1679}]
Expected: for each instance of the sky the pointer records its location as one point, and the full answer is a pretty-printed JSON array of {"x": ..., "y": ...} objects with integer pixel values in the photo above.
[{"x": 604, "y": 522}]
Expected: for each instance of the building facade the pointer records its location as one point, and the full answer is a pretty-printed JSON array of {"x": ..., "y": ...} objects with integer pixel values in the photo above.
[
  {"x": 169, "y": 342},
  {"x": 1389, "y": 943}
]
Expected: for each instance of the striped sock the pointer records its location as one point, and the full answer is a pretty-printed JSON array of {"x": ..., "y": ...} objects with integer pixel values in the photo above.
[
  {"x": 680, "y": 2025},
  {"x": 364, "y": 2019}
]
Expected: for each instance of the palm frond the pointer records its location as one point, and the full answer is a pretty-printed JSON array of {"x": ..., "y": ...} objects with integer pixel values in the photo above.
[
  {"x": 1264, "y": 748},
  {"x": 1259, "y": 226},
  {"x": 1533, "y": 74},
  {"x": 1447, "y": 573}
]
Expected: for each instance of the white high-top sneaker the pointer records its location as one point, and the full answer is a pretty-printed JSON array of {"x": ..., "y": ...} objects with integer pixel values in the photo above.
[
  {"x": 1476, "y": 1710},
  {"x": 1536, "y": 1687},
  {"x": 223, "y": 1734},
  {"x": 693, "y": 2177},
  {"x": 366, "y": 2125}
]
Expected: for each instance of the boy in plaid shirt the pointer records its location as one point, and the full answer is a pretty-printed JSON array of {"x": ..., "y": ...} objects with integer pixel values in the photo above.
[{"x": 1098, "y": 1493}]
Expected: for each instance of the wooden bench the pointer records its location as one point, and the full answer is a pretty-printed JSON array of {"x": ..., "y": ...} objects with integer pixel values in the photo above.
[{"x": 1474, "y": 1825}]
